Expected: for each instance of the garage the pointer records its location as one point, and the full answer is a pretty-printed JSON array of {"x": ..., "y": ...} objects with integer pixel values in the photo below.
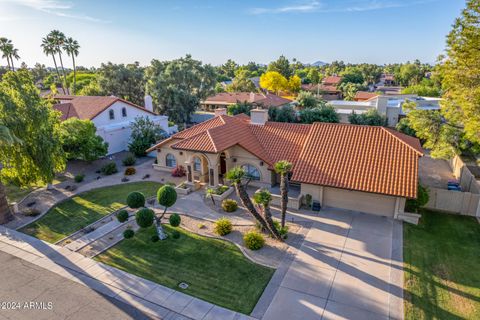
[{"x": 377, "y": 204}]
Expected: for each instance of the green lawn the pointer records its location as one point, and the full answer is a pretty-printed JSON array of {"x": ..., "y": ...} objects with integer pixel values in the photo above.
[
  {"x": 215, "y": 270},
  {"x": 442, "y": 267},
  {"x": 80, "y": 211}
]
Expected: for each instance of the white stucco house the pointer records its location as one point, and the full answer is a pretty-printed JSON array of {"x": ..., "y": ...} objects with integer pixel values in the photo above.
[{"x": 111, "y": 115}]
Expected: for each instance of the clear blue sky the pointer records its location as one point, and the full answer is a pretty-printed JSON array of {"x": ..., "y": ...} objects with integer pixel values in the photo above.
[{"x": 375, "y": 31}]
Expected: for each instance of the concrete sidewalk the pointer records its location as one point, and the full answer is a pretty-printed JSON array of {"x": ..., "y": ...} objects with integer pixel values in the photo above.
[{"x": 142, "y": 294}]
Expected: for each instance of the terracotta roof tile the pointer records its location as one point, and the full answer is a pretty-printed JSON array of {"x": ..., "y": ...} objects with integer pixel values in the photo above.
[
  {"x": 88, "y": 107},
  {"x": 363, "y": 95},
  {"x": 333, "y": 80}
]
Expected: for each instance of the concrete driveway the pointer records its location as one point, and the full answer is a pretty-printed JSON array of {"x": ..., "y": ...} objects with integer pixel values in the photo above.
[{"x": 348, "y": 267}]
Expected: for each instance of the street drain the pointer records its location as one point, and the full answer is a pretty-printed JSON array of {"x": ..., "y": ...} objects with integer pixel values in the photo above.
[{"x": 183, "y": 285}]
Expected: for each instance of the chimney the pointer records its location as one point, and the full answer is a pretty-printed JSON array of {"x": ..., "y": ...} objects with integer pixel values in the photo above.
[
  {"x": 220, "y": 112},
  {"x": 148, "y": 103},
  {"x": 252, "y": 97},
  {"x": 258, "y": 116}
]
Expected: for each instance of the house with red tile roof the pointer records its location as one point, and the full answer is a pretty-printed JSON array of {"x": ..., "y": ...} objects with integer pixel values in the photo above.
[
  {"x": 224, "y": 99},
  {"x": 111, "y": 115},
  {"x": 328, "y": 89},
  {"x": 362, "y": 168}
]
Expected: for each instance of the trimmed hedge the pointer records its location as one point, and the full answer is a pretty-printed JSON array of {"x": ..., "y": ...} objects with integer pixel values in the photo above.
[
  {"x": 223, "y": 226},
  {"x": 122, "y": 216},
  {"x": 144, "y": 217},
  {"x": 135, "y": 200},
  {"x": 129, "y": 233},
  {"x": 229, "y": 205},
  {"x": 253, "y": 240},
  {"x": 174, "y": 220}
]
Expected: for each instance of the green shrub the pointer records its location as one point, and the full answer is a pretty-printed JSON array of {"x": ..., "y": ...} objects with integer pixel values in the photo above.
[
  {"x": 412, "y": 205},
  {"x": 130, "y": 171},
  {"x": 129, "y": 233},
  {"x": 79, "y": 178},
  {"x": 283, "y": 231},
  {"x": 122, "y": 216},
  {"x": 221, "y": 189},
  {"x": 155, "y": 238},
  {"x": 223, "y": 226},
  {"x": 308, "y": 200},
  {"x": 174, "y": 220},
  {"x": 135, "y": 200},
  {"x": 166, "y": 196},
  {"x": 144, "y": 217},
  {"x": 175, "y": 234},
  {"x": 129, "y": 160},
  {"x": 229, "y": 205},
  {"x": 109, "y": 168},
  {"x": 253, "y": 240}
]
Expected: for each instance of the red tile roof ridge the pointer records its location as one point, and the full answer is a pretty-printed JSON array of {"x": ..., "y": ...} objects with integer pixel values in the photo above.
[{"x": 409, "y": 141}]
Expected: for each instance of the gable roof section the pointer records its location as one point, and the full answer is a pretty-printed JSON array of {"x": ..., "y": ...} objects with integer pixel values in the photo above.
[
  {"x": 334, "y": 80},
  {"x": 364, "y": 95},
  {"x": 88, "y": 107},
  {"x": 363, "y": 158}
]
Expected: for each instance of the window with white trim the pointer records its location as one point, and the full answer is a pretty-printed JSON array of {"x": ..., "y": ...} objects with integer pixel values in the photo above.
[
  {"x": 171, "y": 161},
  {"x": 197, "y": 164}
]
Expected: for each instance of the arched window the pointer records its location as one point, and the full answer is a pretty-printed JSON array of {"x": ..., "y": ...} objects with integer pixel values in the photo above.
[
  {"x": 197, "y": 164},
  {"x": 124, "y": 112},
  {"x": 111, "y": 113},
  {"x": 252, "y": 171},
  {"x": 171, "y": 161}
]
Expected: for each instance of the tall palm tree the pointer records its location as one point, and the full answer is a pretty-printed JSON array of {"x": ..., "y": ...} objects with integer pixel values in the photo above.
[
  {"x": 236, "y": 176},
  {"x": 6, "y": 138},
  {"x": 58, "y": 39},
  {"x": 6, "y": 47},
  {"x": 49, "y": 49},
  {"x": 262, "y": 198},
  {"x": 14, "y": 54},
  {"x": 283, "y": 168},
  {"x": 71, "y": 48}
]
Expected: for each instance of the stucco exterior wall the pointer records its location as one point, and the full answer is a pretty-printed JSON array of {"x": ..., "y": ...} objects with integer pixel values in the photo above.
[
  {"x": 244, "y": 157},
  {"x": 180, "y": 156}
]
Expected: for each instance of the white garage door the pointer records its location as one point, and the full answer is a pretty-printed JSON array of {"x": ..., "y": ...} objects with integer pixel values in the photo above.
[{"x": 359, "y": 201}]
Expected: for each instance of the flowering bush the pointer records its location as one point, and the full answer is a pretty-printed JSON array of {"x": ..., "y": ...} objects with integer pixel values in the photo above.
[{"x": 178, "y": 172}]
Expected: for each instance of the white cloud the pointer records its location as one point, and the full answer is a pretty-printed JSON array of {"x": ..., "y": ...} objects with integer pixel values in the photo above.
[
  {"x": 337, "y": 6},
  {"x": 53, "y": 7}
]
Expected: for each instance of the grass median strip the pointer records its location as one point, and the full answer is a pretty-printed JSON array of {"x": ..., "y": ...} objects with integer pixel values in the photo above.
[{"x": 85, "y": 208}]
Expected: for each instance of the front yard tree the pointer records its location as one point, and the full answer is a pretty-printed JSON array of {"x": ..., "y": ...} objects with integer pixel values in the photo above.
[
  {"x": 178, "y": 86},
  {"x": 273, "y": 81},
  {"x": 283, "y": 168},
  {"x": 262, "y": 198},
  {"x": 80, "y": 140},
  {"x": 144, "y": 133},
  {"x": 6, "y": 139},
  {"x": 166, "y": 197},
  {"x": 31, "y": 119},
  {"x": 236, "y": 176}
]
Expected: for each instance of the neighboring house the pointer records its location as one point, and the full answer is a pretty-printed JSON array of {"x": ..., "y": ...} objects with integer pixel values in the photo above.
[
  {"x": 327, "y": 90},
  {"x": 224, "y": 99},
  {"x": 112, "y": 116},
  {"x": 362, "y": 168},
  {"x": 364, "y": 95},
  {"x": 387, "y": 105},
  {"x": 387, "y": 79}
]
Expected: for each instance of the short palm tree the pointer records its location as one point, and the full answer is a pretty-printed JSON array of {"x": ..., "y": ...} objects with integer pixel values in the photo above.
[
  {"x": 283, "y": 168},
  {"x": 236, "y": 175},
  {"x": 262, "y": 198},
  {"x": 49, "y": 49},
  {"x": 71, "y": 47},
  {"x": 209, "y": 194}
]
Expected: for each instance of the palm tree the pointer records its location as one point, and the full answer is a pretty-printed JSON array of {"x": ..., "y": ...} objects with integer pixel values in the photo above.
[
  {"x": 209, "y": 194},
  {"x": 236, "y": 175},
  {"x": 283, "y": 167},
  {"x": 14, "y": 54},
  {"x": 58, "y": 39},
  {"x": 262, "y": 198},
  {"x": 49, "y": 49},
  {"x": 71, "y": 48},
  {"x": 6, "y": 47},
  {"x": 6, "y": 138}
]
